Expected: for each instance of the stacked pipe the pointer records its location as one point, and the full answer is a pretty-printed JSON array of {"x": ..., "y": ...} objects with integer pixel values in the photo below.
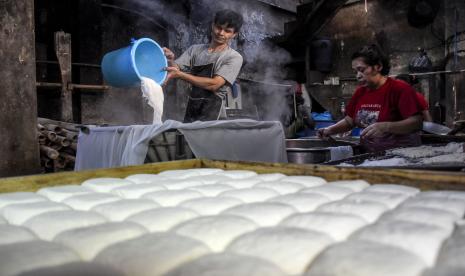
[{"x": 58, "y": 144}]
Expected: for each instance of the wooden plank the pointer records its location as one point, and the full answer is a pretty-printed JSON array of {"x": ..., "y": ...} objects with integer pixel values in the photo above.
[
  {"x": 35, "y": 182},
  {"x": 425, "y": 180},
  {"x": 63, "y": 52}
]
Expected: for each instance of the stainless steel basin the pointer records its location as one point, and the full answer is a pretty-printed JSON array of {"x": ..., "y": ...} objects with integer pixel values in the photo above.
[{"x": 314, "y": 150}]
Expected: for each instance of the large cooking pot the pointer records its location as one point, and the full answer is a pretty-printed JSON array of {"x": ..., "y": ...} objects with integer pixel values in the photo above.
[{"x": 314, "y": 150}]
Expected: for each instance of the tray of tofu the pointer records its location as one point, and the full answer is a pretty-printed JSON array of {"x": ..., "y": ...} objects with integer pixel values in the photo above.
[{"x": 229, "y": 219}]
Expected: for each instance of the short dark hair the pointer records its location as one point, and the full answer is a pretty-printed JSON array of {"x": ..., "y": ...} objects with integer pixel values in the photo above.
[
  {"x": 229, "y": 18},
  {"x": 372, "y": 55}
]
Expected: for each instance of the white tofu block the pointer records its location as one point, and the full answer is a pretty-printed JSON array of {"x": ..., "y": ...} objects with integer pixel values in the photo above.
[
  {"x": 355, "y": 185},
  {"x": 364, "y": 258},
  {"x": 227, "y": 264},
  {"x": 424, "y": 240},
  {"x": 262, "y": 213},
  {"x": 137, "y": 191},
  {"x": 237, "y": 174},
  {"x": 205, "y": 171},
  {"x": 171, "y": 198},
  {"x": 87, "y": 242},
  {"x": 212, "y": 190},
  {"x": 151, "y": 254},
  {"x": 393, "y": 188},
  {"x": 17, "y": 214},
  {"x": 329, "y": 191},
  {"x": 242, "y": 183},
  {"x": 306, "y": 180},
  {"x": 15, "y": 234},
  {"x": 17, "y": 258},
  {"x": 442, "y": 194},
  {"x": 145, "y": 178},
  {"x": 163, "y": 219},
  {"x": 369, "y": 211},
  {"x": 88, "y": 201},
  {"x": 292, "y": 249},
  {"x": 337, "y": 226},
  {"x": 183, "y": 184},
  {"x": 424, "y": 215},
  {"x": 444, "y": 271},
  {"x": 453, "y": 250},
  {"x": 121, "y": 209},
  {"x": 215, "y": 231},
  {"x": 391, "y": 200},
  {"x": 270, "y": 176},
  {"x": 249, "y": 195},
  {"x": 19, "y": 197},
  {"x": 281, "y": 187},
  {"x": 178, "y": 174},
  {"x": 455, "y": 206},
  {"x": 61, "y": 193},
  {"x": 182, "y": 174},
  {"x": 75, "y": 269},
  {"x": 210, "y": 179},
  {"x": 50, "y": 224},
  {"x": 207, "y": 206},
  {"x": 301, "y": 201},
  {"x": 105, "y": 184}
]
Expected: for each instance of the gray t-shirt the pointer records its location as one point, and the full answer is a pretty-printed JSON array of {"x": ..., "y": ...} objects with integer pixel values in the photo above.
[{"x": 226, "y": 63}]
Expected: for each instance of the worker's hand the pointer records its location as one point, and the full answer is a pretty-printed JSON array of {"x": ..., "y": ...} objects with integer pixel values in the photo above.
[
  {"x": 323, "y": 133},
  {"x": 168, "y": 54},
  {"x": 375, "y": 130},
  {"x": 173, "y": 73}
]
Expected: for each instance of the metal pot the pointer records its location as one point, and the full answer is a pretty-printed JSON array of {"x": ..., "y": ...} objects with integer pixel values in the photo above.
[{"x": 314, "y": 150}]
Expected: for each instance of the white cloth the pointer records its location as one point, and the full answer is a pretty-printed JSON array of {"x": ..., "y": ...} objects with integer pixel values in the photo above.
[{"x": 236, "y": 140}]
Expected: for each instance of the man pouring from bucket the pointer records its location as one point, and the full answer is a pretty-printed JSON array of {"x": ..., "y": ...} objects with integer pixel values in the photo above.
[{"x": 211, "y": 69}]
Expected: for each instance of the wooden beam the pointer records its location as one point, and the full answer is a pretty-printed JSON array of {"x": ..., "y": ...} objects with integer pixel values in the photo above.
[
  {"x": 63, "y": 52},
  {"x": 424, "y": 180},
  {"x": 288, "y": 5}
]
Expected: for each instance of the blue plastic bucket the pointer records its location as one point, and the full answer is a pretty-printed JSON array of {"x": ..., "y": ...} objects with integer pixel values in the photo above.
[{"x": 125, "y": 67}]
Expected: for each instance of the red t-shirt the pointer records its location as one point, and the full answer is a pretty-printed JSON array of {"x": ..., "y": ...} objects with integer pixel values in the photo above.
[
  {"x": 394, "y": 101},
  {"x": 422, "y": 101}
]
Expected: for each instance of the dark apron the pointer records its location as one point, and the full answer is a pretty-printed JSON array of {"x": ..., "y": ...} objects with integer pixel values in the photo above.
[{"x": 203, "y": 105}]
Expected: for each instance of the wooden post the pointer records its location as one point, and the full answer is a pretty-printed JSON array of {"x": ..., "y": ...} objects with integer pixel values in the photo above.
[{"x": 63, "y": 52}]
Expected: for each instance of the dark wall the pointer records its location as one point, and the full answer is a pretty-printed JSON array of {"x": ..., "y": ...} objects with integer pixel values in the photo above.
[
  {"x": 454, "y": 96},
  {"x": 18, "y": 105}
]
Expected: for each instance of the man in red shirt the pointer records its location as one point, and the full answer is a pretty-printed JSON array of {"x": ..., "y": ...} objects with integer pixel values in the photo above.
[{"x": 386, "y": 108}]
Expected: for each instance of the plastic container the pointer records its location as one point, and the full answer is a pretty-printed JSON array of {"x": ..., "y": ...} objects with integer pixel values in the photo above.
[
  {"x": 323, "y": 124},
  {"x": 143, "y": 58},
  {"x": 356, "y": 131},
  {"x": 325, "y": 116}
]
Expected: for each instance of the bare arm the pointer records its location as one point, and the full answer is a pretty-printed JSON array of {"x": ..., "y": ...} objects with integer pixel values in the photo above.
[
  {"x": 426, "y": 116},
  {"x": 408, "y": 125},
  {"x": 211, "y": 84},
  {"x": 343, "y": 125}
]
